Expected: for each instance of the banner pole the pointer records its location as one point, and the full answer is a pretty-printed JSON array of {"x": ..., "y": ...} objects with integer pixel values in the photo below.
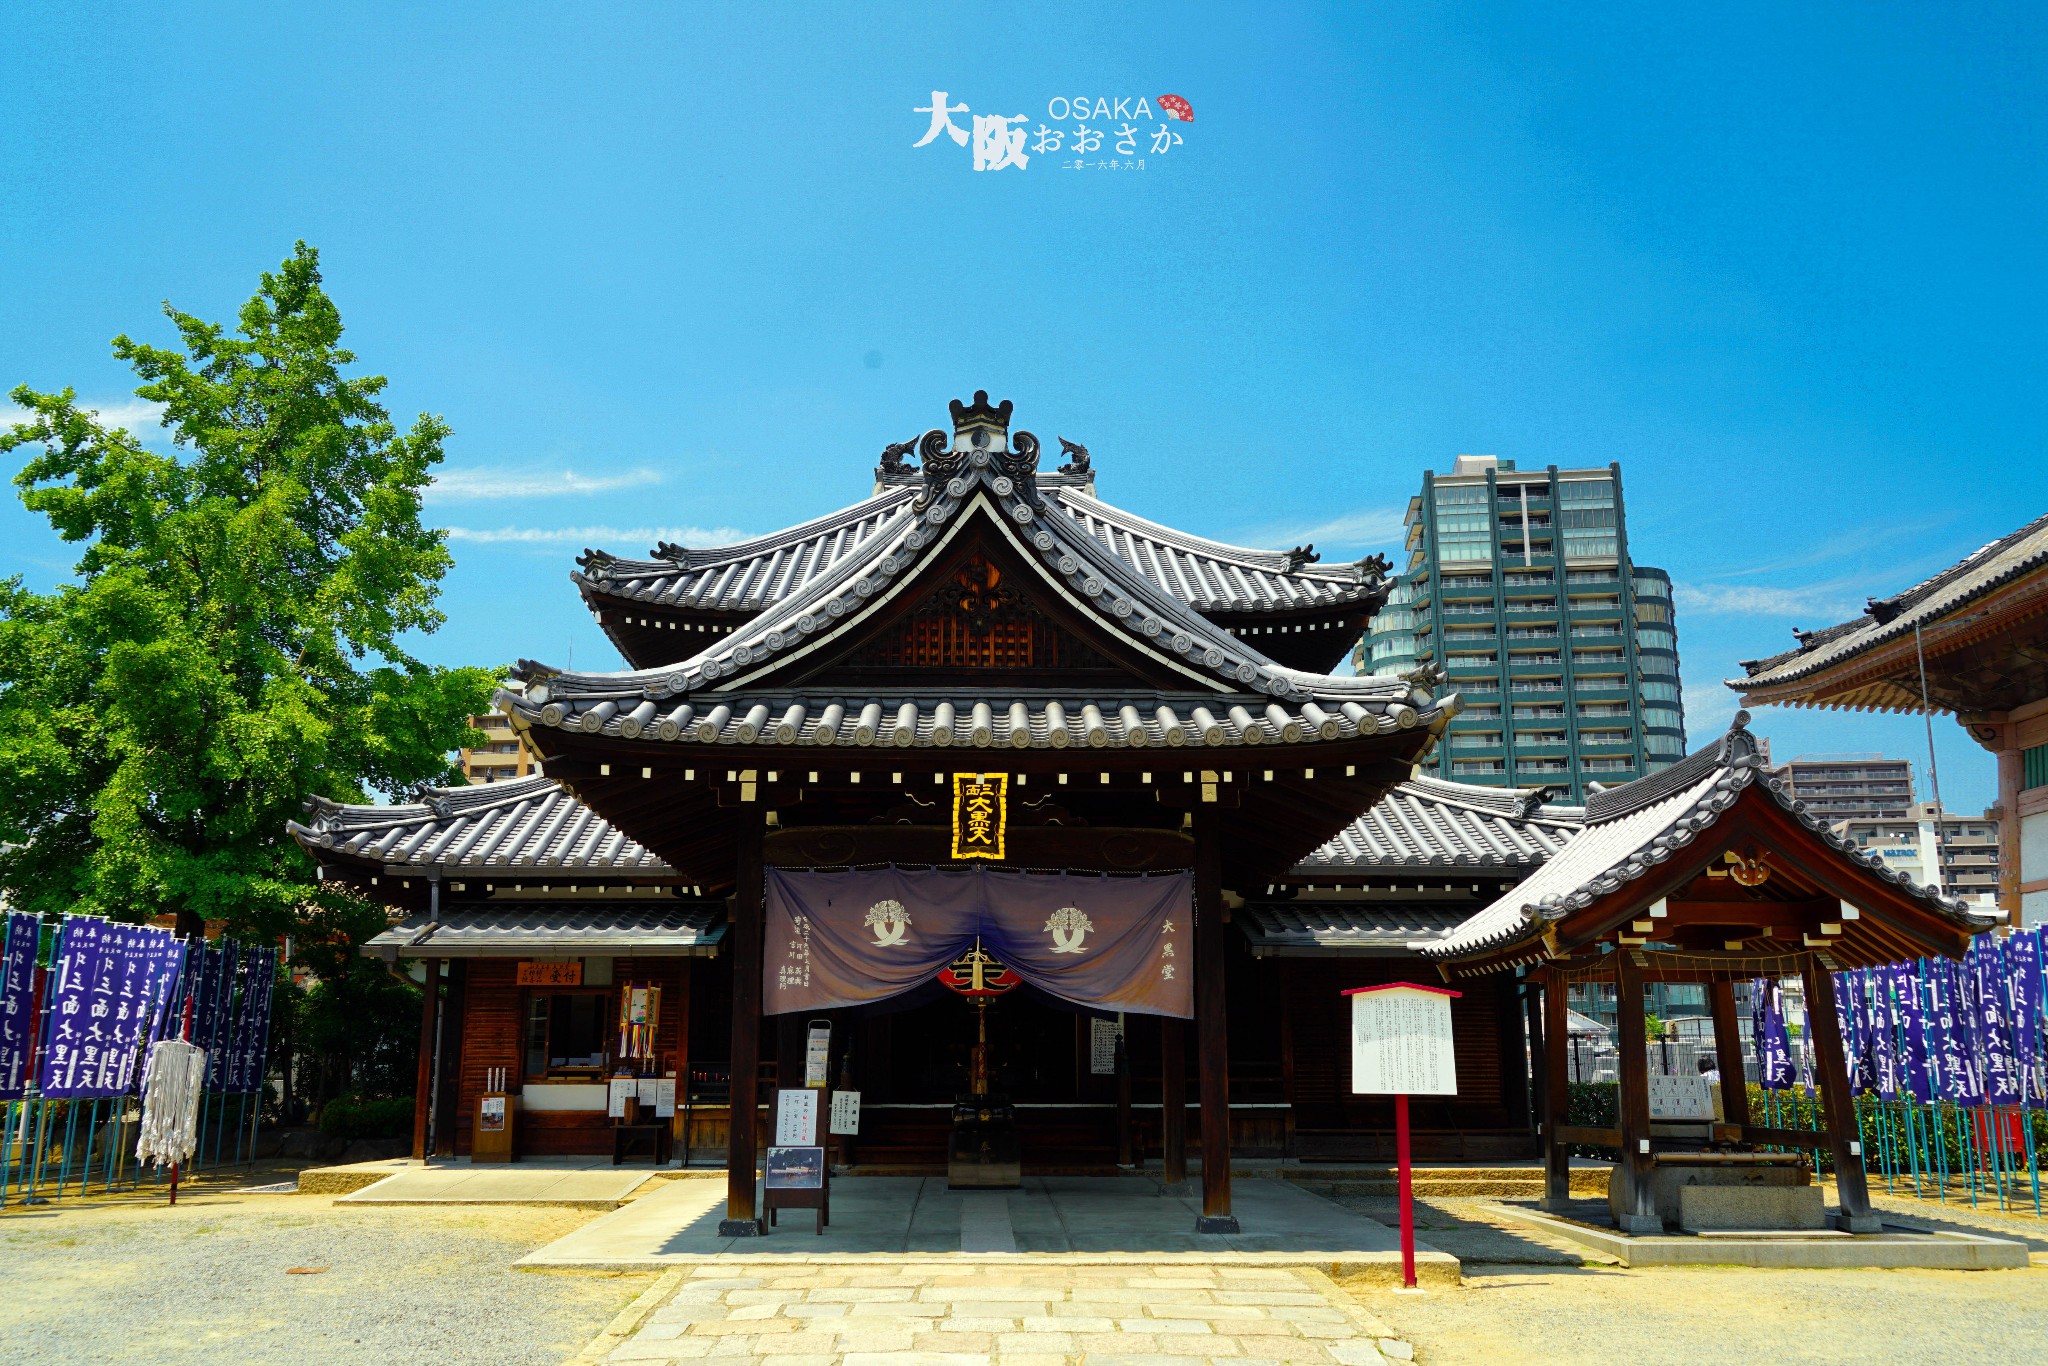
[{"x": 1407, "y": 1190}]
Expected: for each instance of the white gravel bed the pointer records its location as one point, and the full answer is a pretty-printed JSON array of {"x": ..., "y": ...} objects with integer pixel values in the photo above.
[{"x": 211, "y": 1281}]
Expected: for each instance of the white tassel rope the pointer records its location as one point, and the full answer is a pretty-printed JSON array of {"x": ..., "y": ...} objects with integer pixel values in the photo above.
[{"x": 171, "y": 1087}]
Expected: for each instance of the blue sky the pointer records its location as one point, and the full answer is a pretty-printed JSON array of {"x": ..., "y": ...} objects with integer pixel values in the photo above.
[{"x": 679, "y": 271}]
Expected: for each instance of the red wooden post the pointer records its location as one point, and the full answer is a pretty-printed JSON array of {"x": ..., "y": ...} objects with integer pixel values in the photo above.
[{"x": 1407, "y": 1191}]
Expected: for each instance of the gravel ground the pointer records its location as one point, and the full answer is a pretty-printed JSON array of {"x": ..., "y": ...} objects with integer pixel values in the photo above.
[
  {"x": 1527, "y": 1298},
  {"x": 208, "y": 1282}
]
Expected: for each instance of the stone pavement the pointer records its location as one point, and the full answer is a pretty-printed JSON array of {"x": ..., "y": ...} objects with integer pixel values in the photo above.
[
  {"x": 938, "y": 1313},
  {"x": 593, "y": 1187},
  {"x": 1107, "y": 1219}
]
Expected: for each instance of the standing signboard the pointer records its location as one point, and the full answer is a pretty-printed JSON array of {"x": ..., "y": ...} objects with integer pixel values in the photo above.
[
  {"x": 794, "y": 1174},
  {"x": 1401, "y": 1046}
]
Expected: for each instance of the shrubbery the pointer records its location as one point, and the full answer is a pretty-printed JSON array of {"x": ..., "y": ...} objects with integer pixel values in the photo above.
[{"x": 354, "y": 1117}]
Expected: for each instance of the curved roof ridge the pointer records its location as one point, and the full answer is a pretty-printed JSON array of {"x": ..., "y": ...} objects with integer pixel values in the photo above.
[
  {"x": 1635, "y": 827},
  {"x": 1992, "y": 565},
  {"x": 1518, "y": 803},
  {"x": 1269, "y": 561},
  {"x": 1045, "y": 532},
  {"x": 711, "y": 556}
]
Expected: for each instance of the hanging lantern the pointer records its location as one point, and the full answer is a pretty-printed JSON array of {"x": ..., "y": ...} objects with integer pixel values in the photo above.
[{"x": 974, "y": 974}]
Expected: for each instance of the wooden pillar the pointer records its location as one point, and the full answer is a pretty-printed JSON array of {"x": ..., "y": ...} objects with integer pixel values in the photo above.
[
  {"x": 1728, "y": 1053},
  {"x": 741, "y": 1217},
  {"x": 423, "y": 1087},
  {"x": 1844, "y": 1138},
  {"x": 448, "y": 1102},
  {"x": 1173, "y": 1103},
  {"x": 679, "y": 1123},
  {"x": 1126, "y": 1155},
  {"x": 1517, "y": 1048},
  {"x": 1557, "y": 1160},
  {"x": 1637, "y": 1213},
  {"x": 1212, "y": 1040}
]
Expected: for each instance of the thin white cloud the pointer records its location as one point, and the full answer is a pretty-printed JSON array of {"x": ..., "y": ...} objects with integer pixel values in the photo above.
[
  {"x": 1370, "y": 527},
  {"x": 1821, "y": 604},
  {"x": 487, "y": 481},
  {"x": 1709, "y": 707},
  {"x": 616, "y": 539},
  {"x": 137, "y": 415}
]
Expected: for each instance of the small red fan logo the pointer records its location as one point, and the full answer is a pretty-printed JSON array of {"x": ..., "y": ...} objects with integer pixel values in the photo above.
[{"x": 1174, "y": 107}]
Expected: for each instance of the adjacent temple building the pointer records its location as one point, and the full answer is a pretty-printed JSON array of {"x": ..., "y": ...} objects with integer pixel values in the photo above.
[
  {"x": 1118, "y": 795},
  {"x": 1520, "y": 589}
]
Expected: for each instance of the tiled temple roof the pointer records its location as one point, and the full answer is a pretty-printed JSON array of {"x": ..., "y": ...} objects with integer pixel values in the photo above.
[
  {"x": 524, "y": 825},
  {"x": 1432, "y": 824},
  {"x": 518, "y": 931},
  {"x": 1233, "y": 693},
  {"x": 1631, "y": 829},
  {"x": 1208, "y": 576},
  {"x": 1891, "y": 619},
  {"x": 1280, "y": 928}
]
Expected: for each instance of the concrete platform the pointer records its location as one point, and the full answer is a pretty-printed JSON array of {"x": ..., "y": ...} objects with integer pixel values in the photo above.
[
  {"x": 1900, "y": 1245},
  {"x": 575, "y": 1187},
  {"x": 1081, "y": 1219}
]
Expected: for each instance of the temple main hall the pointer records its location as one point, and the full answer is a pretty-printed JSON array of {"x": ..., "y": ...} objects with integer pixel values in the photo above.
[{"x": 1022, "y": 816}]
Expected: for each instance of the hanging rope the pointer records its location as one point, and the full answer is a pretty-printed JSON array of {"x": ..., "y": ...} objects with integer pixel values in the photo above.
[{"x": 171, "y": 1087}]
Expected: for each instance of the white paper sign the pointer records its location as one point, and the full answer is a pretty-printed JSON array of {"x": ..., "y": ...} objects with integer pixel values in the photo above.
[
  {"x": 648, "y": 1089},
  {"x": 1401, "y": 1043},
  {"x": 1681, "y": 1099},
  {"x": 1102, "y": 1047},
  {"x": 665, "y": 1098},
  {"x": 796, "y": 1117},
  {"x": 845, "y": 1115},
  {"x": 817, "y": 1053},
  {"x": 621, "y": 1088}
]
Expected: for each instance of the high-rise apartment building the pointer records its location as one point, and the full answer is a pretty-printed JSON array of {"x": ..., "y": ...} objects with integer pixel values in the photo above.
[
  {"x": 1966, "y": 848},
  {"x": 504, "y": 755},
  {"x": 1520, "y": 587},
  {"x": 1839, "y": 787}
]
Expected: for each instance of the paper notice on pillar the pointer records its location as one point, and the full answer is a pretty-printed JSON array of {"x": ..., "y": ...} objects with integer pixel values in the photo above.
[
  {"x": 796, "y": 1117},
  {"x": 1401, "y": 1042},
  {"x": 665, "y": 1098},
  {"x": 1102, "y": 1047},
  {"x": 622, "y": 1090},
  {"x": 845, "y": 1116}
]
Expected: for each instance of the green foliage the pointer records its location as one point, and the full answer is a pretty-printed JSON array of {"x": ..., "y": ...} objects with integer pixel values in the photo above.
[
  {"x": 354, "y": 1116},
  {"x": 232, "y": 640},
  {"x": 1653, "y": 1028}
]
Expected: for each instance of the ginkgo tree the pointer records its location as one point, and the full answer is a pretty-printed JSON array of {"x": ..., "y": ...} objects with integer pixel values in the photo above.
[{"x": 233, "y": 638}]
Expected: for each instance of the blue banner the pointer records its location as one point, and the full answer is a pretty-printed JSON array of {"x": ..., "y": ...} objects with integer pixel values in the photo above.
[
  {"x": 17, "y": 1001},
  {"x": 1109, "y": 943},
  {"x": 1768, "y": 1034}
]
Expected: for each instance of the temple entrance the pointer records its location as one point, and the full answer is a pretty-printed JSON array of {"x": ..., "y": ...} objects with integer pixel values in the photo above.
[{"x": 914, "y": 1064}]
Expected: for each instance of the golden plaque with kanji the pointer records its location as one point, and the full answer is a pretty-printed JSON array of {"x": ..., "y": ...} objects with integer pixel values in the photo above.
[{"x": 980, "y": 814}]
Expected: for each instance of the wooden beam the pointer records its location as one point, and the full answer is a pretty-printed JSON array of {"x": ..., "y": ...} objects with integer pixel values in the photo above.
[
  {"x": 1211, "y": 1033},
  {"x": 1637, "y": 1214},
  {"x": 742, "y": 1220},
  {"x": 1568, "y": 1134},
  {"x": 1728, "y": 1052},
  {"x": 1844, "y": 1137},
  {"x": 423, "y": 1087}
]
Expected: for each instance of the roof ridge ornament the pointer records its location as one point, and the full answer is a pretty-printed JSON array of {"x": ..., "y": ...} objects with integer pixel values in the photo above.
[
  {"x": 892, "y": 465},
  {"x": 1373, "y": 568},
  {"x": 597, "y": 563},
  {"x": 1301, "y": 555},
  {"x": 1078, "y": 460}
]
